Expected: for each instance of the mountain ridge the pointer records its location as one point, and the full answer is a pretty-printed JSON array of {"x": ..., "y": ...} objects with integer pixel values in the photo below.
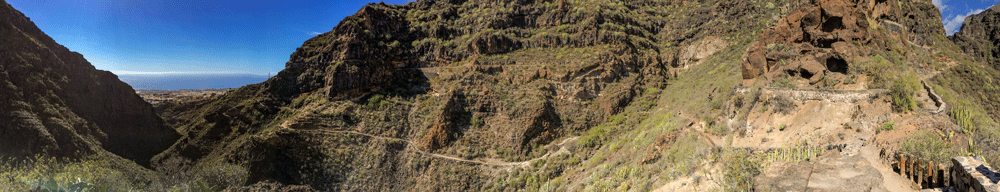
[
  {"x": 586, "y": 95},
  {"x": 599, "y": 74},
  {"x": 73, "y": 108}
]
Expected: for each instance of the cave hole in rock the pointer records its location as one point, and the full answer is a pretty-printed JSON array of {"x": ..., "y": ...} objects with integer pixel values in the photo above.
[
  {"x": 806, "y": 74},
  {"x": 826, "y": 43},
  {"x": 835, "y": 64},
  {"x": 833, "y": 23},
  {"x": 792, "y": 73}
]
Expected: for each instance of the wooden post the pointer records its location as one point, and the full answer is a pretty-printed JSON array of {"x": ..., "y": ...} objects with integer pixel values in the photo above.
[
  {"x": 942, "y": 175},
  {"x": 909, "y": 167},
  {"x": 899, "y": 164},
  {"x": 930, "y": 175},
  {"x": 902, "y": 165},
  {"x": 918, "y": 174}
]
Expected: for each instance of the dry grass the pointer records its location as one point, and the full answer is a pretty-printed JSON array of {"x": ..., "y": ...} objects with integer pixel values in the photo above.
[
  {"x": 94, "y": 173},
  {"x": 104, "y": 173}
]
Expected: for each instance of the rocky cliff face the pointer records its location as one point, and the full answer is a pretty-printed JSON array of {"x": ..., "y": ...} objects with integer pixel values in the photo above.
[
  {"x": 978, "y": 36},
  {"x": 53, "y": 102},
  {"x": 480, "y": 95},
  {"x": 399, "y": 96},
  {"x": 817, "y": 41}
]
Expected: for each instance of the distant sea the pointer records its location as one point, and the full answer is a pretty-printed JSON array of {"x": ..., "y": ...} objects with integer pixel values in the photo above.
[{"x": 190, "y": 81}]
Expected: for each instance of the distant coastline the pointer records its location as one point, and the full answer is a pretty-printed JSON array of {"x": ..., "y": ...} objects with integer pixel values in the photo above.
[{"x": 190, "y": 81}]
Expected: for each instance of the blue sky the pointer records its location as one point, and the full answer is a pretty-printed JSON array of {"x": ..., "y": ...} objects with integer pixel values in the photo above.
[
  {"x": 227, "y": 36},
  {"x": 195, "y": 36},
  {"x": 953, "y": 12}
]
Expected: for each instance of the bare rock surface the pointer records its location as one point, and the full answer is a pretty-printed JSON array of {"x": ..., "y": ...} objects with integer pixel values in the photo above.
[{"x": 831, "y": 172}]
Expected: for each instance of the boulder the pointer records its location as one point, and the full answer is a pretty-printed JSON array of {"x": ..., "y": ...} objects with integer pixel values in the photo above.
[
  {"x": 754, "y": 63},
  {"x": 812, "y": 69}
]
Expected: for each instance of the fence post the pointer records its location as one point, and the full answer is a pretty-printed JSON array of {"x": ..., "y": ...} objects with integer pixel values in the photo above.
[
  {"x": 899, "y": 164},
  {"x": 909, "y": 167},
  {"x": 918, "y": 174},
  {"x": 942, "y": 176},
  {"x": 930, "y": 174},
  {"x": 903, "y": 162}
]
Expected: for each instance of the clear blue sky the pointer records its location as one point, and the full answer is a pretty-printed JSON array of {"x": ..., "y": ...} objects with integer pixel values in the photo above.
[
  {"x": 216, "y": 36},
  {"x": 226, "y": 36}
]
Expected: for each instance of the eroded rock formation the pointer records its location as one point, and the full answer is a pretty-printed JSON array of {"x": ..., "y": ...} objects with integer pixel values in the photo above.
[
  {"x": 822, "y": 38},
  {"x": 809, "y": 42}
]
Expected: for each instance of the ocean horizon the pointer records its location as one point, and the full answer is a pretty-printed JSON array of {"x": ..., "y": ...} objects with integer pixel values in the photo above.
[{"x": 190, "y": 81}]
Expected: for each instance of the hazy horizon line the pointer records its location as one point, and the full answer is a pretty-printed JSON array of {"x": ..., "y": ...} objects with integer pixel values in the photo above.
[{"x": 192, "y": 73}]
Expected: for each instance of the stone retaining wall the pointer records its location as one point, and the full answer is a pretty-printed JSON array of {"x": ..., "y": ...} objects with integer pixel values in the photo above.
[
  {"x": 973, "y": 174},
  {"x": 819, "y": 94},
  {"x": 938, "y": 101}
]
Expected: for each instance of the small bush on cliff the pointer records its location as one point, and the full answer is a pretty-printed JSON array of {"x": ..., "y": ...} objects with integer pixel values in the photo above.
[
  {"x": 593, "y": 137},
  {"x": 902, "y": 91},
  {"x": 475, "y": 122},
  {"x": 879, "y": 69},
  {"x": 929, "y": 146},
  {"x": 740, "y": 169},
  {"x": 784, "y": 83},
  {"x": 376, "y": 102},
  {"x": 887, "y": 126}
]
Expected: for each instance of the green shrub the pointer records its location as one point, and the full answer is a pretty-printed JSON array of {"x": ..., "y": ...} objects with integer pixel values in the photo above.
[
  {"x": 719, "y": 129},
  {"x": 212, "y": 176},
  {"x": 928, "y": 146},
  {"x": 53, "y": 174},
  {"x": 593, "y": 137},
  {"x": 740, "y": 169},
  {"x": 475, "y": 122},
  {"x": 902, "y": 91},
  {"x": 879, "y": 69},
  {"x": 784, "y": 83},
  {"x": 887, "y": 126},
  {"x": 376, "y": 102}
]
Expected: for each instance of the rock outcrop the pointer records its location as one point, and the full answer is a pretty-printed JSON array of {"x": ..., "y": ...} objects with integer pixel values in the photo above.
[
  {"x": 821, "y": 38},
  {"x": 978, "y": 36},
  {"x": 53, "y": 102},
  {"x": 835, "y": 173},
  {"x": 809, "y": 42}
]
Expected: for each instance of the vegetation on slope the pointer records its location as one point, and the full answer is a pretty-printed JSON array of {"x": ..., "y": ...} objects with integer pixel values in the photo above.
[{"x": 576, "y": 95}]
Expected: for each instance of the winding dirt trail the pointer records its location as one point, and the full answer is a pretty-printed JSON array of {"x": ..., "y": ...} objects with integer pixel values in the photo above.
[{"x": 490, "y": 162}]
